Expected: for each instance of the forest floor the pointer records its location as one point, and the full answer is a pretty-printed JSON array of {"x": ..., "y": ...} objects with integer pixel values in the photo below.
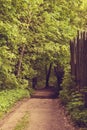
[{"x": 45, "y": 113}]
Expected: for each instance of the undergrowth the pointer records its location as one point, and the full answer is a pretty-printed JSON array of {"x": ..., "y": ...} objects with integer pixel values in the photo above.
[
  {"x": 9, "y": 97},
  {"x": 74, "y": 101}
]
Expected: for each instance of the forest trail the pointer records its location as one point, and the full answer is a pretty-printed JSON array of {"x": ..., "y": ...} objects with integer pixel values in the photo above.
[{"x": 45, "y": 113}]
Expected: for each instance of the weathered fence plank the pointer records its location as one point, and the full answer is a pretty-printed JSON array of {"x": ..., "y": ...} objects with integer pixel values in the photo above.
[{"x": 78, "y": 49}]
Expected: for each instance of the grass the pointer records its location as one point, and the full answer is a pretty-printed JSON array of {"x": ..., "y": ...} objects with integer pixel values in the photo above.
[
  {"x": 9, "y": 97},
  {"x": 23, "y": 123}
]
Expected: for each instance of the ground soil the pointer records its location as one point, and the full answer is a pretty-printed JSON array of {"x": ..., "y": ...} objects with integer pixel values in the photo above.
[{"x": 45, "y": 113}]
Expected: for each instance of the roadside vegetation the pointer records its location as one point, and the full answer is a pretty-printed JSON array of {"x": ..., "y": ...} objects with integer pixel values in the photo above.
[
  {"x": 74, "y": 101},
  {"x": 35, "y": 50},
  {"x": 9, "y": 97}
]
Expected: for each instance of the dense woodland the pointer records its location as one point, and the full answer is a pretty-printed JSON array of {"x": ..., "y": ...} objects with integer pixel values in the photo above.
[{"x": 35, "y": 48}]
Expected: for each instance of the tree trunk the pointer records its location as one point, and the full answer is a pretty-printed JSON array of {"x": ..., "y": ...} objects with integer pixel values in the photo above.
[
  {"x": 34, "y": 82},
  {"x": 48, "y": 72},
  {"x": 59, "y": 75},
  {"x": 20, "y": 61}
]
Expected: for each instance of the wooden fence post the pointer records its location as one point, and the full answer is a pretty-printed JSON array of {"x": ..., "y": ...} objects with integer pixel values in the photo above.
[{"x": 78, "y": 50}]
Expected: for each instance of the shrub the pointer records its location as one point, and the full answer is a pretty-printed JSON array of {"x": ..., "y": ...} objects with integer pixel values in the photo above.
[
  {"x": 68, "y": 86},
  {"x": 9, "y": 97},
  {"x": 74, "y": 100},
  {"x": 79, "y": 117}
]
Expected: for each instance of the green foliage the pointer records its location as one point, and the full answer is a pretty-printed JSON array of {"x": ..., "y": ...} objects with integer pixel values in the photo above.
[
  {"x": 9, "y": 97},
  {"x": 76, "y": 101},
  {"x": 79, "y": 117},
  {"x": 44, "y": 28},
  {"x": 73, "y": 100},
  {"x": 68, "y": 86}
]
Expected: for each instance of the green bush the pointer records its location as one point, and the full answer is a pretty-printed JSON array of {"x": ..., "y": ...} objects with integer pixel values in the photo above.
[
  {"x": 9, "y": 97},
  {"x": 76, "y": 109},
  {"x": 74, "y": 100},
  {"x": 79, "y": 117},
  {"x": 68, "y": 86},
  {"x": 10, "y": 81}
]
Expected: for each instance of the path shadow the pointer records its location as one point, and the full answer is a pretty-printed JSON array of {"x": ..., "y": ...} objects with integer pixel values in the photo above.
[{"x": 45, "y": 93}]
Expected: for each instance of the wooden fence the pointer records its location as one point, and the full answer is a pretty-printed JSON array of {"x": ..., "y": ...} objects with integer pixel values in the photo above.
[{"x": 78, "y": 48}]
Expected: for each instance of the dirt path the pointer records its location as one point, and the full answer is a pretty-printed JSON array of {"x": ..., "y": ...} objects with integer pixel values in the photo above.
[{"x": 44, "y": 114}]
